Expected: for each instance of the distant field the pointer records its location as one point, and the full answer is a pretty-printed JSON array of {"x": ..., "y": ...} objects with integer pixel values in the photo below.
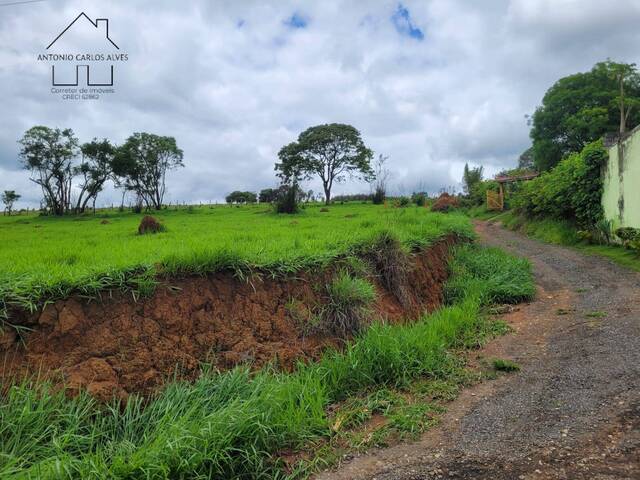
[{"x": 47, "y": 257}]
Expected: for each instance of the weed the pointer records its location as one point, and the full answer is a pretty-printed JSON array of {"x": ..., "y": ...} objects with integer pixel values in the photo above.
[
  {"x": 410, "y": 420},
  {"x": 596, "y": 314},
  {"x": 504, "y": 365}
]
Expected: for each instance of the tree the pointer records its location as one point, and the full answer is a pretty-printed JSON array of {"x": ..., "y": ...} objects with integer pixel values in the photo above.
[
  {"x": 381, "y": 175},
  {"x": 48, "y": 154},
  {"x": 332, "y": 152},
  {"x": 9, "y": 197},
  {"x": 95, "y": 169},
  {"x": 267, "y": 195},
  {"x": 525, "y": 160},
  {"x": 471, "y": 177},
  {"x": 581, "y": 108},
  {"x": 625, "y": 75},
  {"x": 141, "y": 165},
  {"x": 241, "y": 197}
]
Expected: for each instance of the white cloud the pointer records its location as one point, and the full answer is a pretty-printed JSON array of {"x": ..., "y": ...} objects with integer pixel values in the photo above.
[{"x": 234, "y": 81}]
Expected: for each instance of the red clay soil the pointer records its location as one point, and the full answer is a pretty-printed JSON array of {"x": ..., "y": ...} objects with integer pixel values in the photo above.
[
  {"x": 119, "y": 346},
  {"x": 444, "y": 203}
]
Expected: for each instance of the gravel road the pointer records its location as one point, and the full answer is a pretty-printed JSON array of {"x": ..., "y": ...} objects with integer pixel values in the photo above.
[{"x": 572, "y": 412}]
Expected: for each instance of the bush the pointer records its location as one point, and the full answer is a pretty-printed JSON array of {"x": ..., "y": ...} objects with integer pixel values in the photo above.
[
  {"x": 571, "y": 190},
  {"x": 419, "y": 199},
  {"x": 348, "y": 299},
  {"x": 478, "y": 193},
  {"x": 287, "y": 199},
  {"x": 630, "y": 237},
  {"x": 149, "y": 225},
  {"x": 402, "y": 202},
  {"x": 379, "y": 195}
]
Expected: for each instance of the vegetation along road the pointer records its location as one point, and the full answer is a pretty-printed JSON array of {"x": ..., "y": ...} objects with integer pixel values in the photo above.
[{"x": 572, "y": 412}]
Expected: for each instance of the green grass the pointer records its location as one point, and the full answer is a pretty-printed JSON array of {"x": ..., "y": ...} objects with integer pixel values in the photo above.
[
  {"x": 503, "y": 277},
  {"x": 504, "y": 365},
  {"x": 44, "y": 258},
  {"x": 232, "y": 424},
  {"x": 348, "y": 301},
  {"x": 565, "y": 233}
]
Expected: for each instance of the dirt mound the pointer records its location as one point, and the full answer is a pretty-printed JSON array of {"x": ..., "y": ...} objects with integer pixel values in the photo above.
[
  {"x": 149, "y": 224},
  {"x": 116, "y": 345},
  {"x": 444, "y": 203}
]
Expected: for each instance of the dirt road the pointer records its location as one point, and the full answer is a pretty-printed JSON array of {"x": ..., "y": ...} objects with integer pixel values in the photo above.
[{"x": 572, "y": 412}]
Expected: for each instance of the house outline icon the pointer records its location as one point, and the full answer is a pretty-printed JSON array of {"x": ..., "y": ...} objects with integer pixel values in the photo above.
[{"x": 96, "y": 24}]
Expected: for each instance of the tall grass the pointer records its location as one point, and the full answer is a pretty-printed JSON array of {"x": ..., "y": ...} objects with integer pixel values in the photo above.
[
  {"x": 502, "y": 278},
  {"x": 229, "y": 425}
]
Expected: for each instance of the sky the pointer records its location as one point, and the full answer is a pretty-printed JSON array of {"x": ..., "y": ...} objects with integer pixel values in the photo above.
[{"x": 431, "y": 84}]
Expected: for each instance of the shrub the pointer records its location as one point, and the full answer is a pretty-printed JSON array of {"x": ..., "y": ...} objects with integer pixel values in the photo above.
[
  {"x": 571, "y": 190},
  {"x": 419, "y": 199},
  {"x": 149, "y": 225},
  {"x": 287, "y": 199},
  {"x": 348, "y": 299},
  {"x": 630, "y": 237},
  {"x": 379, "y": 194},
  {"x": 403, "y": 202},
  {"x": 445, "y": 203}
]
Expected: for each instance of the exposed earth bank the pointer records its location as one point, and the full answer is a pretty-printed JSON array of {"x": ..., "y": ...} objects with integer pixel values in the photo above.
[
  {"x": 572, "y": 412},
  {"x": 116, "y": 345}
]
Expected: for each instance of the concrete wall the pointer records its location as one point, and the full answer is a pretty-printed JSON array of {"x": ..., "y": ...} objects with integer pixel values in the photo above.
[{"x": 621, "y": 197}]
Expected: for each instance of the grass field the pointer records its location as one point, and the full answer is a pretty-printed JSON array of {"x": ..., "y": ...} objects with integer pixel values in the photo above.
[
  {"x": 44, "y": 258},
  {"x": 234, "y": 424}
]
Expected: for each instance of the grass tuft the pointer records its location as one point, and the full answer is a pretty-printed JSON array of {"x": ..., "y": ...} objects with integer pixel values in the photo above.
[
  {"x": 348, "y": 301},
  {"x": 504, "y": 365}
]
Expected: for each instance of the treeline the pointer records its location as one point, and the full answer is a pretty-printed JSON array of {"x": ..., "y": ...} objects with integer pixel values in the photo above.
[
  {"x": 580, "y": 109},
  {"x": 72, "y": 175},
  {"x": 567, "y": 133},
  {"x": 267, "y": 195}
]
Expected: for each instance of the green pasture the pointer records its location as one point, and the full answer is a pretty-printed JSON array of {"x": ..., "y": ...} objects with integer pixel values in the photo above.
[{"x": 44, "y": 258}]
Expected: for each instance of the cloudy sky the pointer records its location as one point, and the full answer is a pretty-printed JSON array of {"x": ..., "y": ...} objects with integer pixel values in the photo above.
[{"x": 432, "y": 84}]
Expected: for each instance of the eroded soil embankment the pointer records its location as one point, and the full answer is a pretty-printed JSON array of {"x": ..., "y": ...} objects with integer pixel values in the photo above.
[{"x": 117, "y": 345}]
